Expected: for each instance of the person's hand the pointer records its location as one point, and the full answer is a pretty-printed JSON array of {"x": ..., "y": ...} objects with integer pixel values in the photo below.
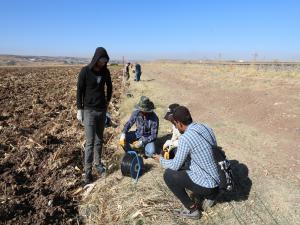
[
  {"x": 137, "y": 144},
  {"x": 166, "y": 145},
  {"x": 122, "y": 140},
  {"x": 156, "y": 157},
  {"x": 80, "y": 115}
]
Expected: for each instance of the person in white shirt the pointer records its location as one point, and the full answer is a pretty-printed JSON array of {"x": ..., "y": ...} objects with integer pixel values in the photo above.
[{"x": 170, "y": 146}]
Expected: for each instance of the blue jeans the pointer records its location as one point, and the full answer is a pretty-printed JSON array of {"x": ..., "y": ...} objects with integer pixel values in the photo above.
[
  {"x": 138, "y": 76},
  {"x": 149, "y": 149}
]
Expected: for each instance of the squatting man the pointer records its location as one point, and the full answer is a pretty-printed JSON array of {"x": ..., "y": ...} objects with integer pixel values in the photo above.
[
  {"x": 201, "y": 177},
  {"x": 147, "y": 123}
]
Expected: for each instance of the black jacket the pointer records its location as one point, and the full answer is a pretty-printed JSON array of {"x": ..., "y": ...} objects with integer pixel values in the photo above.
[{"x": 91, "y": 85}]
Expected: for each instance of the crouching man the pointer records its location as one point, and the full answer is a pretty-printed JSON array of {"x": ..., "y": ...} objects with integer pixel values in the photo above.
[
  {"x": 146, "y": 128},
  {"x": 202, "y": 176}
]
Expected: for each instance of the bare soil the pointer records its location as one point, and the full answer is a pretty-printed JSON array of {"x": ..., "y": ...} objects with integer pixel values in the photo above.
[
  {"x": 41, "y": 144},
  {"x": 255, "y": 113}
]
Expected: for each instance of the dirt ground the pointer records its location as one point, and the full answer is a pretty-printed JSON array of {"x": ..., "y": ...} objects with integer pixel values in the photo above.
[
  {"x": 41, "y": 144},
  {"x": 255, "y": 114}
]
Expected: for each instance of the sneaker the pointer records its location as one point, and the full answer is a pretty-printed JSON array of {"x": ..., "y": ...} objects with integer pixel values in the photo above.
[
  {"x": 207, "y": 204},
  {"x": 100, "y": 169},
  {"x": 186, "y": 213}
]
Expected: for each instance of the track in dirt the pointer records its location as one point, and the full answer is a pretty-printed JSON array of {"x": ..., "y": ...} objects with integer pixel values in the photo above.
[{"x": 40, "y": 148}]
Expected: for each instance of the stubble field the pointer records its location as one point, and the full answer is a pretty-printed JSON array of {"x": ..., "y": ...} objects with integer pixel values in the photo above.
[{"x": 254, "y": 112}]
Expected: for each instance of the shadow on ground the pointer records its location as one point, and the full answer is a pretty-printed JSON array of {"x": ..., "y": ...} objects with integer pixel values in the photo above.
[
  {"x": 147, "y": 80},
  {"x": 147, "y": 167}
]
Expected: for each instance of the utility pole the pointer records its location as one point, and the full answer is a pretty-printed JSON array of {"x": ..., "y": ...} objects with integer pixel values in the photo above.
[
  {"x": 123, "y": 69},
  {"x": 255, "y": 55}
]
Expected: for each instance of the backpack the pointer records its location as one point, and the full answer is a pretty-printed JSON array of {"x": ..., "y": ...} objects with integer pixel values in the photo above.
[
  {"x": 223, "y": 165},
  {"x": 224, "y": 168}
]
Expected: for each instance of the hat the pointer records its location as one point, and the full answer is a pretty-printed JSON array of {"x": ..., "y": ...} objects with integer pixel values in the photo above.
[
  {"x": 182, "y": 114},
  {"x": 145, "y": 105},
  {"x": 103, "y": 59},
  {"x": 170, "y": 111}
]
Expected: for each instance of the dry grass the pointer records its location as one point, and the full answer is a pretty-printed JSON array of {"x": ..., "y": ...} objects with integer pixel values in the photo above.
[{"x": 118, "y": 200}]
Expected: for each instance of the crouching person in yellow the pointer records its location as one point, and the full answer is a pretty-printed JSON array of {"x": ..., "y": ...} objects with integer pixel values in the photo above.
[{"x": 202, "y": 176}]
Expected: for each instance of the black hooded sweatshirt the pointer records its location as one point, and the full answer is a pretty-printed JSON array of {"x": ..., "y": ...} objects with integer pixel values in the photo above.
[{"x": 91, "y": 85}]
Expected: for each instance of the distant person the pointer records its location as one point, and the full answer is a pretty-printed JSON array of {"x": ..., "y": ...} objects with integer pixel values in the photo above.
[
  {"x": 92, "y": 103},
  {"x": 146, "y": 128},
  {"x": 202, "y": 177},
  {"x": 127, "y": 75},
  {"x": 138, "y": 72}
]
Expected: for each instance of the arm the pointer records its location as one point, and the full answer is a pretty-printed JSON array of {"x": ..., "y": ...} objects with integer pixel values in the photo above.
[
  {"x": 130, "y": 122},
  {"x": 80, "y": 88},
  {"x": 182, "y": 153},
  {"x": 175, "y": 136},
  {"x": 109, "y": 87}
]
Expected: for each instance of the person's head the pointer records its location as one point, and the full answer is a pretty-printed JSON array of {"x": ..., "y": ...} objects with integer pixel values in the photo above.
[
  {"x": 100, "y": 59},
  {"x": 101, "y": 62},
  {"x": 145, "y": 105},
  {"x": 171, "y": 110},
  {"x": 182, "y": 118}
]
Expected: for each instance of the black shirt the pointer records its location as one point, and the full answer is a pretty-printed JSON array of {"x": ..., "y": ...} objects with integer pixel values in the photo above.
[{"x": 91, "y": 89}]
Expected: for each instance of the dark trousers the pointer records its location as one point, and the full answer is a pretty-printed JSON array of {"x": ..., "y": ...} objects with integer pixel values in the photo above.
[
  {"x": 138, "y": 76},
  {"x": 93, "y": 127},
  {"x": 178, "y": 181}
]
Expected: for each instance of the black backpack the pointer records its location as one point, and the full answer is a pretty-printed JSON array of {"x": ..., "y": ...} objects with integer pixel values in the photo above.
[{"x": 223, "y": 165}]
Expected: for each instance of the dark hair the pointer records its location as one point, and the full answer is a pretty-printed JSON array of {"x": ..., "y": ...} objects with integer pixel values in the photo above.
[
  {"x": 183, "y": 115},
  {"x": 171, "y": 109}
]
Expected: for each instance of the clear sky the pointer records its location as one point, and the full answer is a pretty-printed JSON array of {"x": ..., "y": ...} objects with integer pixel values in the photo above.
[{"x": 152, "y": 29}]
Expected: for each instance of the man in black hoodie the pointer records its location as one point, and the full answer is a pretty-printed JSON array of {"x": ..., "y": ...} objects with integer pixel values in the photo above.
[{"x": 92, "y": 103}]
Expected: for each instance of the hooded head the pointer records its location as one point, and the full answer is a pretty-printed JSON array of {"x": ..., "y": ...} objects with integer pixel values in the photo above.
[{"x": 100, "y": 54}]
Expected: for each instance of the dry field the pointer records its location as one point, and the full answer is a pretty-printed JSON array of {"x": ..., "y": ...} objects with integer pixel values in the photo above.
[
  {"x": 255, "y": 113},
  {"x": 41, "y": 144}
]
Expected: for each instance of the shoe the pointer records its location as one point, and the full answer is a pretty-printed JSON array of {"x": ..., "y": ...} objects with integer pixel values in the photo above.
[
  {"x": 100, "y": 169},
  {"x": 88, "y": 178},
  {"x": 207, "y": 204},
  {"x": 186, "y": 213}
]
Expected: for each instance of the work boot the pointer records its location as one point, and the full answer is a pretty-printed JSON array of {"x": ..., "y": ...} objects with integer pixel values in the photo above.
[
  {"x": 88, "y": 178},
  {"x": 187, "y": 213},
  {"x": 207, "y": 204},
  {"x": 100, "y": 169}
]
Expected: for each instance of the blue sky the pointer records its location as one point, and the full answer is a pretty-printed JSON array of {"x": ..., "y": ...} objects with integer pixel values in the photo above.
[{"x": 152, "y": 29}]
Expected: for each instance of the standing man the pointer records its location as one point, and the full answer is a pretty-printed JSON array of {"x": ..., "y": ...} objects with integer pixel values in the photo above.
[
  {"x": 138, "y": 72},
  {"x": 92, "y": 103},
  {"x": 202, "y": 176},
  {"x": 146, "y": 128},
  {"x": 127, "y": 75}
]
